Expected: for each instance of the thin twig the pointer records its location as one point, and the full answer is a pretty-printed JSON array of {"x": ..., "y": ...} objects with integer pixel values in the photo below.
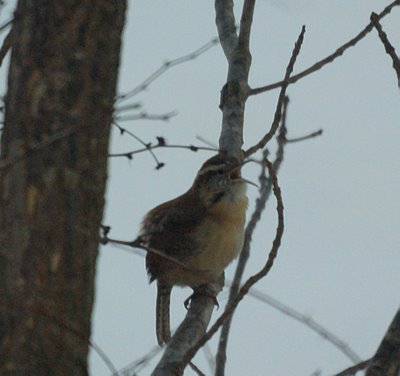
[
  {"x": 388, "y": 46},
  {"x": 307, "y": 321},
  {"x": 137, "y": 365},
  {"x": 5, "y": 47},
  {"x": 281, "y": 98},
  {"x": 253, "y": 279},
  {"x": 138, "y": 243},
  {"x": 306, "y": 137},
  {"x": 145, "y": 116},
  {"x": 164, "y": 67},
  {"x": 196, "y": 369},
  {"x": 130, "y": 154},
  {"x": 128, "y": 107},
  {"x": 319, "y": 64},
  {"x": 147, "y": 146},
  {"x": 6, "y": 24}
]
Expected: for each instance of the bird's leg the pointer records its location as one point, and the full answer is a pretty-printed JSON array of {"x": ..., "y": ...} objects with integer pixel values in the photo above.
[{"x": 206, "y": 290}]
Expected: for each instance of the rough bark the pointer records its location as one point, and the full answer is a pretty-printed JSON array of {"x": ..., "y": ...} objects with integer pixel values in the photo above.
[{"x": 61, "y": 85}]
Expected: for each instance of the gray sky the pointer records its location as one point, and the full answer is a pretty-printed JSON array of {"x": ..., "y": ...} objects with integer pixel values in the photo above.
[{"x": 339, "y": 261}]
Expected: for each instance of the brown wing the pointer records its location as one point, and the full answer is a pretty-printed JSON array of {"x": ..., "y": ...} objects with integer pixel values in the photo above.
[{"x": 170, "y": 228}]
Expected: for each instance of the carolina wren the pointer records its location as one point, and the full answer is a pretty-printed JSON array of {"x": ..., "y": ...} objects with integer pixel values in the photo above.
[{"x": 202, "y": 230}]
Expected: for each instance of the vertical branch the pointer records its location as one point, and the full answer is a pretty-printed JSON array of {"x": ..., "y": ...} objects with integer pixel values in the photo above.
[
  {"x": 233, "y": 98},
  {"x": 388, "y": 46},
  {"x": 189, "y": 332},
  {"x": 264, "y": 193},
  {"x": 245, "y": 24},
  {"x": 225, "y": 21},
  {"x": 6, "y": 45},
  {"x": 277, "y": 117},
  {"x": 235, "y": 92}
]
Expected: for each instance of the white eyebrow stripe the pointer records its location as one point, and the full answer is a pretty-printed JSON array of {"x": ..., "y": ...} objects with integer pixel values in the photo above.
[{"x": 211, "y": 168}]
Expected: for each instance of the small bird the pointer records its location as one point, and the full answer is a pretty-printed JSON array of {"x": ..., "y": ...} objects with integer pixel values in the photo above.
[{"x": 192, "y": 238}]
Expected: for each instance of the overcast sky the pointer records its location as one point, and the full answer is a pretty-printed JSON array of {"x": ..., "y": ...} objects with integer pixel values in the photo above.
[{"x": 340, "y": 256}]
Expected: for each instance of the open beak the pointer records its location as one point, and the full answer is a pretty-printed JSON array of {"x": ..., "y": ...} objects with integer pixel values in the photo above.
[
  {"x": 250, "y": 182},
  {"x": 235, "y": 174}
]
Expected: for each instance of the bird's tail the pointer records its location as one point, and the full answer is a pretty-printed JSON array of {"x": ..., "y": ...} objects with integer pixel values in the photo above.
[{"x": 162, "y": 313}]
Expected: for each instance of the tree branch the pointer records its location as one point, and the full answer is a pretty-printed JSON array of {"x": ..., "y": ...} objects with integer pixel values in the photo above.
[
  {"x": 307, "y": 321},
  {"x": 190, "y": 331},
  {"x": 281, "y": 98},
  {"x": 354, "y": 369},
  {"x": 320, "y": 64},
  {"x": 388, "y": 47},
  {"x": 264, "y": 193},
  {"x": 5, "y": 47},
  {"x": 225, "y": 21},
  {"x": 386, "y": 361},
  {"x": 164, "y": 67},
  {"x": 245, "y": 23},
  {"x": 235, "y": 92}
]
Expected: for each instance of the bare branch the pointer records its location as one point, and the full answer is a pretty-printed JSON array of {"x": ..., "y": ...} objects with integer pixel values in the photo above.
[
  {"x": 164, "y": 67},
  {"x": 307, "y": 321},
  {"x": 196, "y": 369},
  {"x": 5, "y": 47},
  {"x": 245, "y": 23},
  {"x": 388, "y": 47},
  {"x": 6, "y": 24},
  {"x": 306, "y": 137},
  {"x": 190, "y": 331},
  {"x": 264, "y": 192},
  {"x": 127, "y": 107},
  {"x": 354, "y": 369},
  {"x": 235, "y": 92},
  {"x": 145, "y": 116},
  {"x": 130, "y": 154},
  {"x": 225, "y": 21},
  {"x": 386, "y": 361},
  {"x": 281, "y": 98},
  {"x": 339, "y": 52},
  {"x": 147, "y": 146},
  {"x": 140, "y": 363},
  {"x": 137, "y": 243}
]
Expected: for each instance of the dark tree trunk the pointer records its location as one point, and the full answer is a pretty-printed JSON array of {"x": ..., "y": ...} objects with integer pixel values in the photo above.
[{"x": 61, "y": 85}]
